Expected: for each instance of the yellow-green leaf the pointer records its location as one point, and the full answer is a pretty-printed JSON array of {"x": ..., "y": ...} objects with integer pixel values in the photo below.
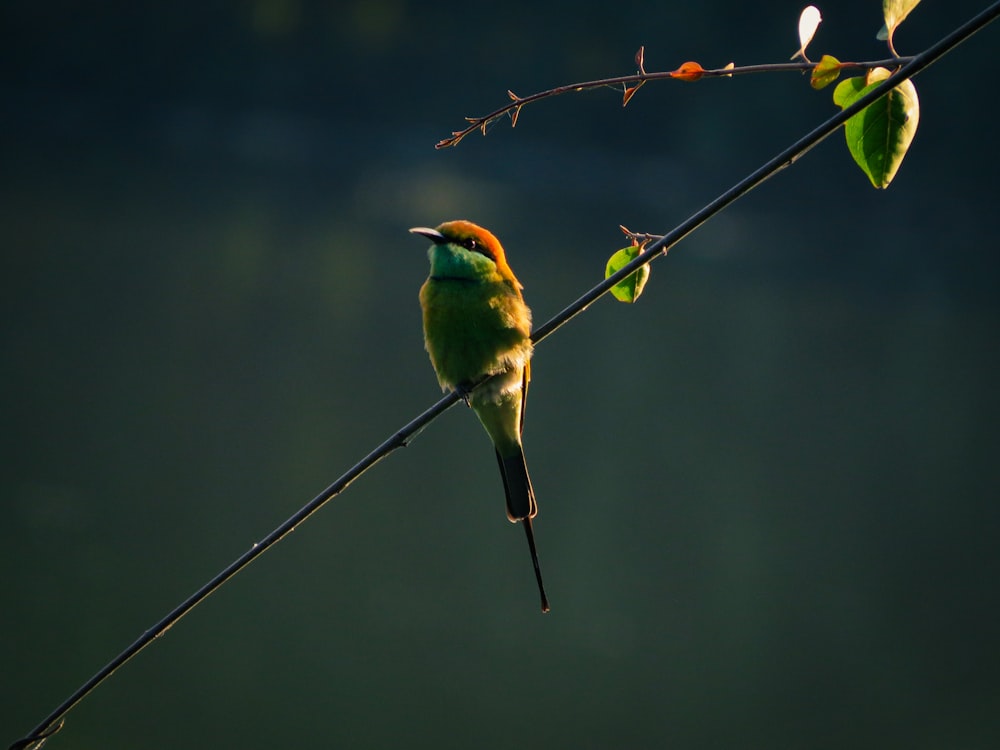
[
  {"x": 629, "y": 289},
  {"x": 827, "y": 71},
  {"x": 879, "y": 135},
  {"x": 894, "y": 11}
]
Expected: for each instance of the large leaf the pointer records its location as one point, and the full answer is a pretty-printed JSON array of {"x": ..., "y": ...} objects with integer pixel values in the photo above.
[{"x": 879, "y": 135}]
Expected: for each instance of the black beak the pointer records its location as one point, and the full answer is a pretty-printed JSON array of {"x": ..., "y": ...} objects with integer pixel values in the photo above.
[{"x": 432, "y": 234}]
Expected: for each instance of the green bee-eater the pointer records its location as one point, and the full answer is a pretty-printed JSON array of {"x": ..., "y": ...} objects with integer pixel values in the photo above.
[{"x": 476, "y": 325}]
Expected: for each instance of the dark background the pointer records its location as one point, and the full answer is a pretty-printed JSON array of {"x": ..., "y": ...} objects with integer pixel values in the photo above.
[{"x": 768, "y": 490}]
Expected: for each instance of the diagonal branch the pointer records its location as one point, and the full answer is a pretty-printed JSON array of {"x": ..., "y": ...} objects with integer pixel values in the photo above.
[{"x": 54, "y": 721}]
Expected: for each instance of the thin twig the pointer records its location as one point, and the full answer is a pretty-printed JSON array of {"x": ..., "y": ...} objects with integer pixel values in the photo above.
[
  {"x": 53, "y": 722},
  {"x": 513, "y": 109}
]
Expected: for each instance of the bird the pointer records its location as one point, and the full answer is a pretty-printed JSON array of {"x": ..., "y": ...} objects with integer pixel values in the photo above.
[{"x": 477, "y": 331}]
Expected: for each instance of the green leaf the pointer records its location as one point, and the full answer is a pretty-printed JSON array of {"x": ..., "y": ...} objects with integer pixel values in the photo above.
[
  {"x": 894, "y": 11},
  {"x": 879, "y": 135},
  {"x": 629, "y": 289},
  {"x": 827, "y": 71}
]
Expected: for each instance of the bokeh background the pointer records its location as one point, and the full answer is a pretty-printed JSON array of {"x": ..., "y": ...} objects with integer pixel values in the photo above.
[{"x": 769, "y": 490}]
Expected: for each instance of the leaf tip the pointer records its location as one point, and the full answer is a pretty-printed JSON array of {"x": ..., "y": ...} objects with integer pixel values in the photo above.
[{"x": 640, "y": 57}]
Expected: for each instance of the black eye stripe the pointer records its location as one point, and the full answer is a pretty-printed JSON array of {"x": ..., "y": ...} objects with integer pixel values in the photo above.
[
  {"x": 470, "y": 244},
  {"x": 474, "y": 246}
]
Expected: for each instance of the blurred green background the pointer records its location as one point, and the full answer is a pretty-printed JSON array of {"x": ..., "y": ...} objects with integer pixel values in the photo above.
[{"x": 768, "y": 490}]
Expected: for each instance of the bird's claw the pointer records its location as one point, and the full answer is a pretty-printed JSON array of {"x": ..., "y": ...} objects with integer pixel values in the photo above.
[{"x": 464, "y": 392}]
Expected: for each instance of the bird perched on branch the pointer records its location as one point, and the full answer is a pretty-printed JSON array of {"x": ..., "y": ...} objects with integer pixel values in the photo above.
[{"x": 477, "y": 328}]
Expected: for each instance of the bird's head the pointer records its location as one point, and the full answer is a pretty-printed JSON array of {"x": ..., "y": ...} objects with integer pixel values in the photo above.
[{"x": 470, "y": 238}]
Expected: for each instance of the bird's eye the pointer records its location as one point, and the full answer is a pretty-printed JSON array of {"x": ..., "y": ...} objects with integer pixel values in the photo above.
[{"x": 472, "y": 245}]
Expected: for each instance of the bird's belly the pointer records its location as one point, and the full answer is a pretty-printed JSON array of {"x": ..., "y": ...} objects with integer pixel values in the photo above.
[{"x": 470, "y": 332}]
